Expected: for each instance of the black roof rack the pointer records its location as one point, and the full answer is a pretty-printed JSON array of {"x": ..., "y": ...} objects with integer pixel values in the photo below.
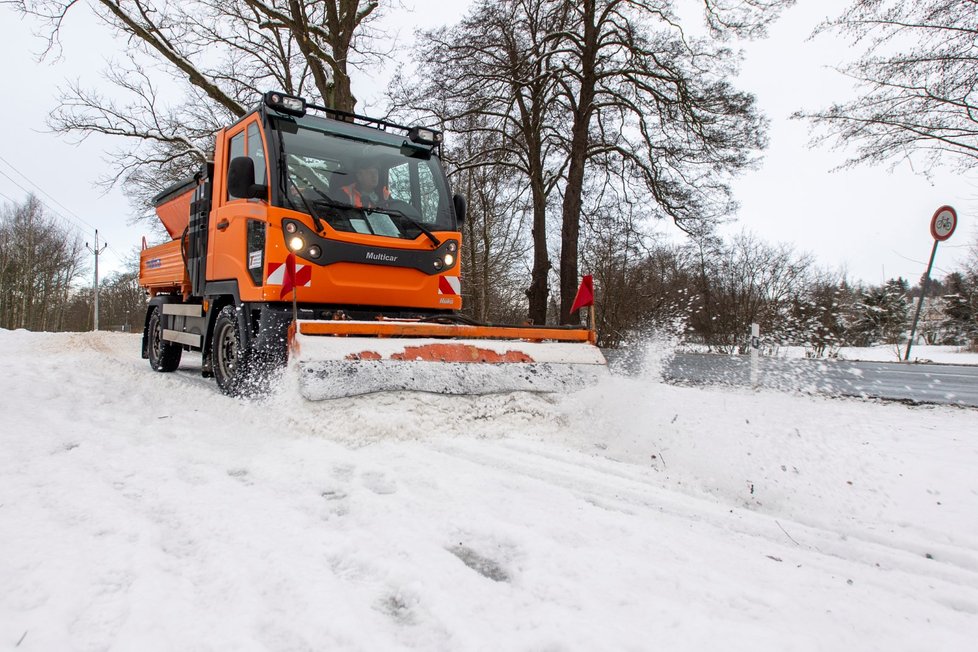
[{"x": 356, "y": 118}]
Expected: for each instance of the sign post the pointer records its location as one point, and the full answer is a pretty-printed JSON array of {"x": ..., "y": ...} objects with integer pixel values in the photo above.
[
  {"x": 942, "y": 225},
  {"x": 755, "y": 348}
]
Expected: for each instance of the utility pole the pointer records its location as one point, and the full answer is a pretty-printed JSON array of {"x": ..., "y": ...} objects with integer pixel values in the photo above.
[{"x": 95, "y": 250}]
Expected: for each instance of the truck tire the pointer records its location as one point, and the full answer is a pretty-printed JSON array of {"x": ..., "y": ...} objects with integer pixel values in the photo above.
[
  {"x": 163, "y": 356},
  {"x": 232, "y": 358}
]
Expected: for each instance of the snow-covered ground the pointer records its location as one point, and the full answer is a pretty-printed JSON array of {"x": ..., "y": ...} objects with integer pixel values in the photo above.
[{"x": 143, "y": 511}]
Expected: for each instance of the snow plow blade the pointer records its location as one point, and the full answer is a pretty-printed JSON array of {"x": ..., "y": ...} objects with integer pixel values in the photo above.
[{"x": 348, "y": 358}]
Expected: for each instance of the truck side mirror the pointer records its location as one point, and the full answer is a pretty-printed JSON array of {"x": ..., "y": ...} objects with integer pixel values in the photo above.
[
  {"x": 459, "y": 202},
  {"x": 241, "y": 180}
]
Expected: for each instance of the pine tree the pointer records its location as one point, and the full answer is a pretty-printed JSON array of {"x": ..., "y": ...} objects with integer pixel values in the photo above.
[
  {"x": 884, "y": 314},
  {"x": 960, "y": 323}
]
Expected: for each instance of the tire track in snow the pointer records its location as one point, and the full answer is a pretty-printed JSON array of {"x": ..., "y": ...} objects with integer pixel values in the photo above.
[{"x": 605, "y": 483}]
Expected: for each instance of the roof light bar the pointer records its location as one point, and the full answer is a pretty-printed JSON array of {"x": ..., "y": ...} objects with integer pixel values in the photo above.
[
  {"x": 285, "y": 103},
  {"x": 425, "y": 136}
]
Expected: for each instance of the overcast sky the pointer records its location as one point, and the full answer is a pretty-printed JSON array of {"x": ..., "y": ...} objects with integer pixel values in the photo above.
[{"x": 873, "y": 222}]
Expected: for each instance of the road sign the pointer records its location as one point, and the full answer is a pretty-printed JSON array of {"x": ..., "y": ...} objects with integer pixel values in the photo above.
[
  {"x": 943, "y": 223},
  {"x": 941, "y": 227}
]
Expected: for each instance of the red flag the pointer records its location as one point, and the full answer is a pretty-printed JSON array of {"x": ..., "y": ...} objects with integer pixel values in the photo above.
[
  {"x": 288, "y": 283},
  {"x": 585, "y": 294}
]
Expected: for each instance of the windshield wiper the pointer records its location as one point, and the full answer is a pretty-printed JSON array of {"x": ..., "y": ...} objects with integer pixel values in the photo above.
[
  {"x": 309, "y": 209},
  {"x": 332, "y": 203},
  {"x": 284, "y": 175},
  {"x": 396, "y": 213}
]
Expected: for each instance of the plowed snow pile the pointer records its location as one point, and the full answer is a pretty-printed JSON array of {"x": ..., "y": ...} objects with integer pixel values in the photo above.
[{"x": 144, "y": 511}]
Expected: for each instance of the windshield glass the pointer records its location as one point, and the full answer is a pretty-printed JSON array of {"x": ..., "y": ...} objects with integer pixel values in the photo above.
[{"x": 358, "y": 185}]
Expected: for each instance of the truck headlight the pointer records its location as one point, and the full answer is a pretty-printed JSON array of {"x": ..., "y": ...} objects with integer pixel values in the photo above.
[{"x": 297, "y": 243}]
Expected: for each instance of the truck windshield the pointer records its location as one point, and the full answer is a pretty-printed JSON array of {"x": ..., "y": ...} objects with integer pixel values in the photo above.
[{"x": 360, "y": 181}]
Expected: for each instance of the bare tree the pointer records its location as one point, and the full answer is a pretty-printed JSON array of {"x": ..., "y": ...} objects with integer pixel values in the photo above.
[
  {"x": 491, "y": 74},
  {"x": 325, "y": 32},
  {"x": 917, "y": 78},
  {"x": 39, "y": 260},
  {"x": 638, "y": 283},
  {"x": 743, "y": 282},
  {"x": 496, "y": 244},
  {"x": 639, "y": 91},
  {"x": 610, "y": 85},
  {"x": 219, "y": 55},
  {"x": 122, "y": 301}
]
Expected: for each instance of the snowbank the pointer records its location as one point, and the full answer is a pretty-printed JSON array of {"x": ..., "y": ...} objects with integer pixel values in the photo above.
[
  {"x": 894, "y": 353},
  {"x": 879, "y": 353}
]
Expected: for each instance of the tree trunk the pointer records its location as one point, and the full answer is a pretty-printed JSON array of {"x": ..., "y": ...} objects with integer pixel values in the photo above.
[
  {"x": 340, "y": 92},
  {"x": 580, "y": 141},
  {"x": 485, "y": 262},
  {"x": 539, "y": 290}
]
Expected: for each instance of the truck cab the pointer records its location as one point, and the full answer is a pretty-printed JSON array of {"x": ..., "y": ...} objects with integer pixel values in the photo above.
[{"x": 388, "y": 251}]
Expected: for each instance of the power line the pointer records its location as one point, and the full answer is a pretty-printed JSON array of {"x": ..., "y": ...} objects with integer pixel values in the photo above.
[
  {"x": 69, "y": 222},
  {"x": 43, "y": 192},
  {"x": 72, "y": 222},
  {"x": 114, "y": 252},
  {"x": 919, "y": 262}
]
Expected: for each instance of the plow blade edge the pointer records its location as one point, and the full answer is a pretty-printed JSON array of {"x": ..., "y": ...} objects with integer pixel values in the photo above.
[{"x": 407, "y": 357}]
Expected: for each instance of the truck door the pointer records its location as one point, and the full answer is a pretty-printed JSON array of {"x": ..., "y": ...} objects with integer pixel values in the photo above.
[{"x": 237, "y": 232}]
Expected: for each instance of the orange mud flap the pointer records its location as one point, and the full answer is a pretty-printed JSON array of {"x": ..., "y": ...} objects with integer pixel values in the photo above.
[{"x": 348, "y": 358}]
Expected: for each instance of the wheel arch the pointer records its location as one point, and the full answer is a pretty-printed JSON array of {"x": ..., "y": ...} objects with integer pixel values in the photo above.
[
  {"x": 220, "y": 294},
  {"x": 155, "y": 303}
]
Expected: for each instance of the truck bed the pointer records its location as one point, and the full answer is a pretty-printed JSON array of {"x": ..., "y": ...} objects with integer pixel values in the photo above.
[{"x": 161, "y": 269}]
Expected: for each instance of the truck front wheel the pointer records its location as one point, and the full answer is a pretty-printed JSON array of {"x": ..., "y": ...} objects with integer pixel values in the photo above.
[
  {"x": 232, "y": 358},
  {"x": 163, "y": 355}
]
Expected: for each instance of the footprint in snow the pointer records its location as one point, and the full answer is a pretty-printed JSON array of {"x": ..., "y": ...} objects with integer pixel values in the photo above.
[
  {"x": 333, "y": 494},
  {"x": 482, "y": 565},
  {"x": 400, "y": 608},
  {"x": 343, "y": 471},
  {"x": 241, "y": 475},
  {"x": 378, "y": 482},
  {"x": 336, "y": 503}
]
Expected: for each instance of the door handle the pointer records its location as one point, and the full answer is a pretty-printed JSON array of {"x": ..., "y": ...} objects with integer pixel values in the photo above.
[{"x": 222, "y": 225}]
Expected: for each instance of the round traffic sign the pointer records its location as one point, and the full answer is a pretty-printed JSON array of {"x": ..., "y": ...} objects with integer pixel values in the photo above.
[{"x": 943, "y": 223}]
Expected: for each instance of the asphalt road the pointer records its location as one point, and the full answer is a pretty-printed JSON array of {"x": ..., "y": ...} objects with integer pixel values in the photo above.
[{"x": 922, "y": 383}]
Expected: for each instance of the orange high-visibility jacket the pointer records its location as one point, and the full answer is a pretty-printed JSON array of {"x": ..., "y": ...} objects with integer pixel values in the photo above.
[{"x": 355, "y": 197}]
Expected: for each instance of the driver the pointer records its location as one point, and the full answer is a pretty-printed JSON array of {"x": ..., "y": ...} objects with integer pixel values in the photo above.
[{"x": 366, "y": 189}]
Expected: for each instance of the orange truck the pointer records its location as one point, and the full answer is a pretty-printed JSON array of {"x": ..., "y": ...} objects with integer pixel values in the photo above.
[{"x": 332, "y": 240}]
